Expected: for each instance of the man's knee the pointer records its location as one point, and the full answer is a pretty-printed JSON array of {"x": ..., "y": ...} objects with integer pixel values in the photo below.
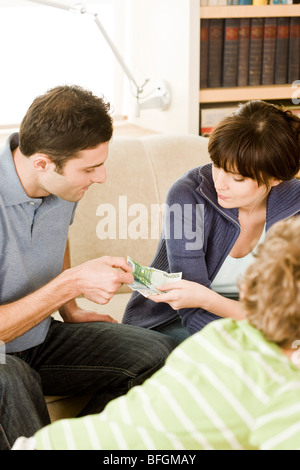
[
  {"x": 15, "y": 374},
  {"x": 22, "y": 406}
]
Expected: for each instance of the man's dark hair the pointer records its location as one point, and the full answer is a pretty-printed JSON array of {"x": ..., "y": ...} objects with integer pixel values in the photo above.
[{"x": 63, "y": 122}]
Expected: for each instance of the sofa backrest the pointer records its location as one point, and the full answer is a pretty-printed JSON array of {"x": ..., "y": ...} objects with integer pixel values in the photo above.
[{"x": 122, "y": 216}]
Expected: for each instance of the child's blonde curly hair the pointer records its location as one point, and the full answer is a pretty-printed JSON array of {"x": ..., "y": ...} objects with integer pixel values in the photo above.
[{"x": 270, "y": 289}]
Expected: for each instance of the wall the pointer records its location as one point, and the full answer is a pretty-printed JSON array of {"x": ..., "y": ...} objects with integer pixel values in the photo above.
[{"x": 163, "y": 44}]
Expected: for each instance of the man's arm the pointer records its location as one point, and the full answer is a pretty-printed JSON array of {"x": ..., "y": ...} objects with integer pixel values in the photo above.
[{"x": 96, "y": 279}]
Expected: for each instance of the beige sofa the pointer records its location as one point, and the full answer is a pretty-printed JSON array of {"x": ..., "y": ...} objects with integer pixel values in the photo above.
[{"x": 112, "y": 216}]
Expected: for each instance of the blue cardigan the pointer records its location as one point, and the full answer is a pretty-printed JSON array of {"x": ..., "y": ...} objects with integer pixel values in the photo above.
[{"x": 220, "y": 228}]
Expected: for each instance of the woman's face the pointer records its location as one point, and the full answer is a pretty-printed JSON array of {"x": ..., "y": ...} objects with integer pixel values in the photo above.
[{"x": 236, "y": 191}]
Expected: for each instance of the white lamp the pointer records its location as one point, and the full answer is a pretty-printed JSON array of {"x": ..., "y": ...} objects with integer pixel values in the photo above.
[{"x": 161, "y": 96}]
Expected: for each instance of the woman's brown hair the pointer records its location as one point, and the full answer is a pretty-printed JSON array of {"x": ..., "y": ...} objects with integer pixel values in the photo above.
[{"x": 260, "y": 141}]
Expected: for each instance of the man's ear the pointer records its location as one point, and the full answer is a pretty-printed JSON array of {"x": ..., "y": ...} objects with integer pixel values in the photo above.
[{"x": 41, "y": 161}]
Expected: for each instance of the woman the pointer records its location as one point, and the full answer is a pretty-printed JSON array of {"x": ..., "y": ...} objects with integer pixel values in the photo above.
[{"x": 249, "y": 186}]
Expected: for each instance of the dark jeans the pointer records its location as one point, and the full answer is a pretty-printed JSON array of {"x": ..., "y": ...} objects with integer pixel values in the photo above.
[
  {"x": 174, "y": 329},
  {"x": 100, "y": 359}
]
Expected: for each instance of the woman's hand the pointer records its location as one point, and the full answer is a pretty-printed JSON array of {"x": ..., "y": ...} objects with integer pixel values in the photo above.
[
  {"x": 189, "y": 294},
  {"x": 183, "y": 294}
]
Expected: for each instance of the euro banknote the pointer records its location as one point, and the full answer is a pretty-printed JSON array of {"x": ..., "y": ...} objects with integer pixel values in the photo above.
[{"x": 147, "y": 279}]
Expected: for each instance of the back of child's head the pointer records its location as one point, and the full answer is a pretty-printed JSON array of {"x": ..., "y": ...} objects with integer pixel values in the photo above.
[{"x": 270, "y": 289}]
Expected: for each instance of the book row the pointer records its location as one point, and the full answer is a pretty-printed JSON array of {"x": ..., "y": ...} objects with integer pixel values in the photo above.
[
  {"x": 246, "y": 2},
  {"x": 249, "y": 51}
]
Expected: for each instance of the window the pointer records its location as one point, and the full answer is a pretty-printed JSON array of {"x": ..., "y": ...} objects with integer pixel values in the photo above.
[{"x": 42, "y": 47}]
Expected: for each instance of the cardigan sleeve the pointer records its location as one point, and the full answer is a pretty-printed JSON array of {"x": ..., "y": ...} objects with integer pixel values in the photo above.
[
  {"x": 181, "y": 249},
  {"x": 184, "y": 225}
]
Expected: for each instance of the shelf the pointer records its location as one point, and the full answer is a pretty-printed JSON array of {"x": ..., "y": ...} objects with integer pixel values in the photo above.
[
  {"x": 249, "y": 11},
  {"x": 223, "y": 95},
  {"x": 242, "y": 94}
]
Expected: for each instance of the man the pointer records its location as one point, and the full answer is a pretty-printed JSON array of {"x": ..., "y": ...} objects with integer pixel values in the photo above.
[{"x": 44, "y": 171}]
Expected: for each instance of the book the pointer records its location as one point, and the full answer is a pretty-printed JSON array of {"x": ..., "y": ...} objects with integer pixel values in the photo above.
[
  {"x": 269, "y": 50},
  {"x": 231, "y": 50},
  {"x": 282, "y": 51},
  {"x": 211, "y": 117},
  {"x": 245, "y": 2},
  {"x": 255, "y": 51},
  {"x": 294, "y": 48},
  {"x": 243, "y": 55},
  {"x": 204, "y": 53},
  {"x": 215, "y": 51}
]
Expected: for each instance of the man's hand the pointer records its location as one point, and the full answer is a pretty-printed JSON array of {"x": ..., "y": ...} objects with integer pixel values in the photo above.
[
  {"x": 71, "y": 313},
  {"x": 99, "y": 279}
]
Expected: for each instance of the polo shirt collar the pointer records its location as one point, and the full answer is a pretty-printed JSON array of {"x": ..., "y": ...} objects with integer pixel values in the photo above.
[{"x": 12, "y": 191}]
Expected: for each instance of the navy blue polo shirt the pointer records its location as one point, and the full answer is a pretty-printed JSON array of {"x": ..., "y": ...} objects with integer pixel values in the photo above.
[{"x": 33, "y": 237}]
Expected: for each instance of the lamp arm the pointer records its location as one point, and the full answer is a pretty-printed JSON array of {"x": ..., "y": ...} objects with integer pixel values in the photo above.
[
  {"x": 51, "y": 4},
  {"x": 116, "y": 53}
]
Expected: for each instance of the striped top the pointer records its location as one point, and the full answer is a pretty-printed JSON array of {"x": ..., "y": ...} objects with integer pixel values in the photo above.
[{"x": 225, "y": 387}]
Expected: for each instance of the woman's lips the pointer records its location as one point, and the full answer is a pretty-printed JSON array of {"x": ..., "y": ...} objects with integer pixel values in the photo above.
[{"x": 222, "y": 197}]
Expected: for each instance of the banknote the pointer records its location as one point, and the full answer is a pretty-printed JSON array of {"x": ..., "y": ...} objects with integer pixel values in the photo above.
[{"x": 146, "y": 279}]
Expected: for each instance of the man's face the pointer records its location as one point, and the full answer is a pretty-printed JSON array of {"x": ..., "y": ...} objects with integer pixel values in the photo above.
[{"x": 77, "y": 175}]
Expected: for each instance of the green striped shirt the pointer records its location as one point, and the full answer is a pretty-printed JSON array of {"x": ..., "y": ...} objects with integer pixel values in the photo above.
[{"x": 225, "y": 387}]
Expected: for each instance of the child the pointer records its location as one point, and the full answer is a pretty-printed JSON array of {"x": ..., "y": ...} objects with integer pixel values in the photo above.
[{"x": 233, "y": 385}]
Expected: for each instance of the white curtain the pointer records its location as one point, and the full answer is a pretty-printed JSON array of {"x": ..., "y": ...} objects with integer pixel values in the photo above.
[{"x": 42, "y": 47}]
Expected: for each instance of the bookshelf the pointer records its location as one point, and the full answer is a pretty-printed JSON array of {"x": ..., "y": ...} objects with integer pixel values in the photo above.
[{"x": 222, "y": 95}]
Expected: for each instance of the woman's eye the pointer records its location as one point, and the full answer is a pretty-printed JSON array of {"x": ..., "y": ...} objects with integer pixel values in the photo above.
[{"x": 239, "y": 180}]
